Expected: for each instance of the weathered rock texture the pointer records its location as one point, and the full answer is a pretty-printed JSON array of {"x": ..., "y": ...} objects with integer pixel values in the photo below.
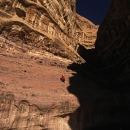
[
  {"x": 87, "y": 32},
  {"x": 31, "y": 94},
  {"x": 45, "y": 25},
  {"x": 32, "y": 97},
  {"x": 26, "y": 116}
]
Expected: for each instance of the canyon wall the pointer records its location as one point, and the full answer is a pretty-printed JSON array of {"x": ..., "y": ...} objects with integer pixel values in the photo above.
[
  {"x": 111, "y": 54},
  {"x": 109, "y": 65},
  {"x": 46, "y": 25},
  {"x": 23, "y": 115},
  {"x": 88, "y": 32},
  {"x": 36, "y": 27},
  {"x": 112, "y": 47},
  {"x": 42, "y": 25},
  {"x": 104, "y": 108}
]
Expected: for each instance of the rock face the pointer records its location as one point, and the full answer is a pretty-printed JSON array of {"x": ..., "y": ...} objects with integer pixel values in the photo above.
[
  {"x": 31, "y": 94},
  {"x": 111, "y": 54},
  {"x": 33, "y": 97},
  {"x": 112, "y": 46},
  {"x": 110, "y": 62},
  {"x": 27, "y": 116},
  {"x": 44, "y": 25},
  {"x": 87, "y": 31}
]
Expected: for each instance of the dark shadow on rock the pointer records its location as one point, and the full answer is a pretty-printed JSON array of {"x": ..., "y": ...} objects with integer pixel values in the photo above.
[{"x": 100, "y": 106}]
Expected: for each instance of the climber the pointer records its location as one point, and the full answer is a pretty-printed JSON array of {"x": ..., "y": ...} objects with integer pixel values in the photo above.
[{"x": 63, "y": 78}]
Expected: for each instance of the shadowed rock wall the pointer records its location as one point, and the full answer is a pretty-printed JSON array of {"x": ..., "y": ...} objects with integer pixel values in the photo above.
[
  {"x": 98, "y": 105},
  {"x": 111, "y": 54},
  {"x": 109, "y": 66}
]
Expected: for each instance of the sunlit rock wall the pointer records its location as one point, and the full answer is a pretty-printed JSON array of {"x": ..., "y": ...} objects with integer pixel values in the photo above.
[
  {"x": 93, "y": 111},
  {"x": 47, "y": 21},
  {"x": 87, "y": 32},
  {"x": 23, "y": 115}
]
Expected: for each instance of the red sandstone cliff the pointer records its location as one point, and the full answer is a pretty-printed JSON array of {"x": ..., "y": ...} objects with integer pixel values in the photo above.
[
  {"x": 31, "y": 94},
  {"x": 43, "y": 25}
]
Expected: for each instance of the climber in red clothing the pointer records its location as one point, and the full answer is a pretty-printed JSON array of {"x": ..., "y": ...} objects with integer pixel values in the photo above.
[{"x": 63, "y": 78}]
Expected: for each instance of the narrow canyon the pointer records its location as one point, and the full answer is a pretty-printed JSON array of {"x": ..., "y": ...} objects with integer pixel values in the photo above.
[{"x": 42, "y": 39}]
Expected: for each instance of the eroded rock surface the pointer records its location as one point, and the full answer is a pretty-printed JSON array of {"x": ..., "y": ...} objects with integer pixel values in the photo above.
[
  {"x": 33, "y": 97},
  {"x": 26, "y": 116},
  {"x": 87, "y": 33},
  {"x": 44, "y": 25},
  {"x": 31, "y": 93}
]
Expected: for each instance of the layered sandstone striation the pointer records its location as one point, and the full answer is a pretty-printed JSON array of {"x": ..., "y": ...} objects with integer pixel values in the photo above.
[
  {"x": 33, "y": 97},
  {"x": 31, "y": 33},
  {"x": 87, "y": 32},
  {"x": 46, "y": 25},
  {"x": 31, "y": 94}
]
